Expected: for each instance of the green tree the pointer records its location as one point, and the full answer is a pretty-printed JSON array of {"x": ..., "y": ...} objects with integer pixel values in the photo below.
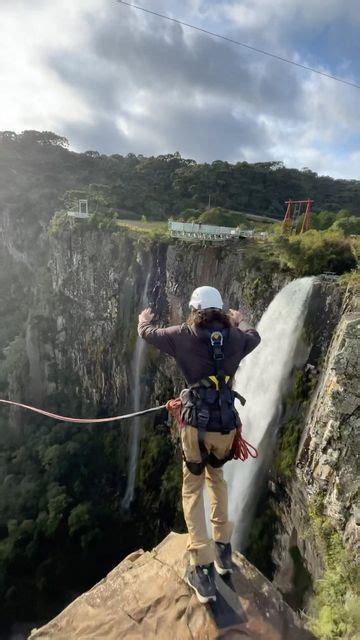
[
  {"x": 219, "y": 217},
  {"x": 323, "y": 220},
  {"x": 349, "y": 225},
  {"x": 316, "y": 252}
]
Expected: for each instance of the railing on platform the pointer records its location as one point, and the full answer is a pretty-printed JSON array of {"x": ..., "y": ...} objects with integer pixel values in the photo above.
[
  {"x": 77, "y": 214},
  {"x": 198, "y": 231}
]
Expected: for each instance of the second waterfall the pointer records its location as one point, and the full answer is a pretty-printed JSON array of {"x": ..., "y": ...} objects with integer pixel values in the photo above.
[{"x": 135, "y": 427}]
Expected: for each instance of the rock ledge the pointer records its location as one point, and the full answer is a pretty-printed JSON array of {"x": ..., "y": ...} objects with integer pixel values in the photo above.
[{"x": 146, "y": 596}]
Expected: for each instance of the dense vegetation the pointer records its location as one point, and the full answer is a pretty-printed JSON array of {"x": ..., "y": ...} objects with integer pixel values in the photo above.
[
  {"x": 62, "y": 527},
  {"x": 336, "y": 607},
  {"x": 316, "y": 252},
  {"x": 37, "y": 170}
]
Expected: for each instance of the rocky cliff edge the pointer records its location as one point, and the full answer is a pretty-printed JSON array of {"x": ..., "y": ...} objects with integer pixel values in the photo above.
[{"x": 146, "y": 596}]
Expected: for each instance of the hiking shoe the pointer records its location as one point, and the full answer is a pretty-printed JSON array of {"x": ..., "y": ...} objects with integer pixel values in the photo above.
[
  {"x": 223, "y": 562},
  {"x": 201, "y": 578}
]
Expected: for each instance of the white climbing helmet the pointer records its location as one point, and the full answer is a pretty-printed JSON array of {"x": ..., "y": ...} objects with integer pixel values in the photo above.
[{"x": 206, "y": 298}]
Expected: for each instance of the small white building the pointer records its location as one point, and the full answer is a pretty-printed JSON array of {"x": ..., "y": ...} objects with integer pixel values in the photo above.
[{"x": 83, "y": 211}]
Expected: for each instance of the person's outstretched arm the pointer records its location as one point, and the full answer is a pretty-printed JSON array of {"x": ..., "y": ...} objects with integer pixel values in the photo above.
[
  {"x": 162, "y": 339},
  {"x": 251, "y": 335}
]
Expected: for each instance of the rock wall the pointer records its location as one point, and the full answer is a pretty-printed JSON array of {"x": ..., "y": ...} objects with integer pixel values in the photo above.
[
  {"x": 81, "y": 333},
  {"x": 327, "y": 467},
  {"x": 98, "y": 280},
  {"x": 328, "y": 460}
]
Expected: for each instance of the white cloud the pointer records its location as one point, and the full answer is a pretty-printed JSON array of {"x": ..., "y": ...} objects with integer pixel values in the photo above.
[
  {"x": 295, "y": 14},
  {"x": 33, "y": 96},
  {"x": 116, "y": 79}
]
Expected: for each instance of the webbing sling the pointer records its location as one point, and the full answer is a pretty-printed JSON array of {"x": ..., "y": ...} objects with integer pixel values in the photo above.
[
  {"x": 212, "y": 382},
  {"x": 217, "y": 343}
]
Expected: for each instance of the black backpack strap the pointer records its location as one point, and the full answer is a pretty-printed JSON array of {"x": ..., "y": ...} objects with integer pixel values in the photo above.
[
  {"x": 203, "y": 417},
  {"x": 239, "y": 397},
  {"x": 217, "y": 344}
]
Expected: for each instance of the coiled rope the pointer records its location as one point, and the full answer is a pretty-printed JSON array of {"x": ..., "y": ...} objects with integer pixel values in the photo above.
[{"x": 242, "y": 449}]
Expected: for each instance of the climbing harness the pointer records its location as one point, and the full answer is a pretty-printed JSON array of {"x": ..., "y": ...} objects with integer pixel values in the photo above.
[
  {"x": 210, "y": 404},
  {"x": 241, "y": 449}
]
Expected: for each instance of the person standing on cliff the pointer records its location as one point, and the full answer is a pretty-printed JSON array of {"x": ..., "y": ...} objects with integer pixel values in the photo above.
[{"x": 208, "y": 348}]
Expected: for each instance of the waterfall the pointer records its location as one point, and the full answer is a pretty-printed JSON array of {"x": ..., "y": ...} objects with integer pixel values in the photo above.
[
  {"x": 36, "y": 382},
  {"x": 137, "y": 366},
  {"x": 263, "y": 379}
]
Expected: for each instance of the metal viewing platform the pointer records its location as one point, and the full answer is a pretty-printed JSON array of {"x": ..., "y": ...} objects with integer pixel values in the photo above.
[{"x": 198, "y": 231}]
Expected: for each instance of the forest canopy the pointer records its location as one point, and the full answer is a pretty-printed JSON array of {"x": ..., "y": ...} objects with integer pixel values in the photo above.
[{"x": 38, "y": 170}]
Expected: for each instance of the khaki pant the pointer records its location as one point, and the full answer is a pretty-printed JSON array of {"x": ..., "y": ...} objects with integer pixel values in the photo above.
[{"x": 199, "y": 544}]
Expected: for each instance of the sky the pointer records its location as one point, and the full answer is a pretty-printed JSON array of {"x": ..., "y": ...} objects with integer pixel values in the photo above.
[{"x": 117, "y": 80}]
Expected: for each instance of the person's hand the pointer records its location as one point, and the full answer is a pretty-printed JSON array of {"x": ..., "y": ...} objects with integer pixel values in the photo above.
[
  {"x": 236, "y": 316},
  {"x": 146, "y": 315}
]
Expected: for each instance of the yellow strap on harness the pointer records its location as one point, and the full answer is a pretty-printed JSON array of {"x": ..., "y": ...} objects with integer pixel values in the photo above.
[{"x": 216, "y": 381}]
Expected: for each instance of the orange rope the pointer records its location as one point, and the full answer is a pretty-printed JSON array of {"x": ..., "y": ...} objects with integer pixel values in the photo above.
[
  {"x": 80, "y": 420},
  {"x": 241, "y": 449},
  {"x": 174, "y": 407}
]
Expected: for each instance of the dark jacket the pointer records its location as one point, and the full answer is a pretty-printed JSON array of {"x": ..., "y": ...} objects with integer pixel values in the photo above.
[{"x": 192, "y": 351}]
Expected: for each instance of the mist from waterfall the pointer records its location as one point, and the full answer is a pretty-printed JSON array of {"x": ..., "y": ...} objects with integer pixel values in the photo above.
[
  {"x": 263, "y": 379},
  {"x": 135, "y": 426}
]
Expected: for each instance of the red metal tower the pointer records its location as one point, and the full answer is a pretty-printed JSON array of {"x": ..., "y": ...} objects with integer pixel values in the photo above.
[{"x": 293, "y": 213}]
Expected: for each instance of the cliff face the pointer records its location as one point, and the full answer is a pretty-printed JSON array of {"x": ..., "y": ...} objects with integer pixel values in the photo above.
[
  {"x": 70, "y": 342},
  {"x": 146, "y": 596},
  {"x": 319, "y": 508},
  {"x": 98, "y": 281},
  {"x": 81, "y": 330},
  {"x": 90, "y": 309},
  {"x": 80, "y": 341},
  {"x": 328, "y": 459}
]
